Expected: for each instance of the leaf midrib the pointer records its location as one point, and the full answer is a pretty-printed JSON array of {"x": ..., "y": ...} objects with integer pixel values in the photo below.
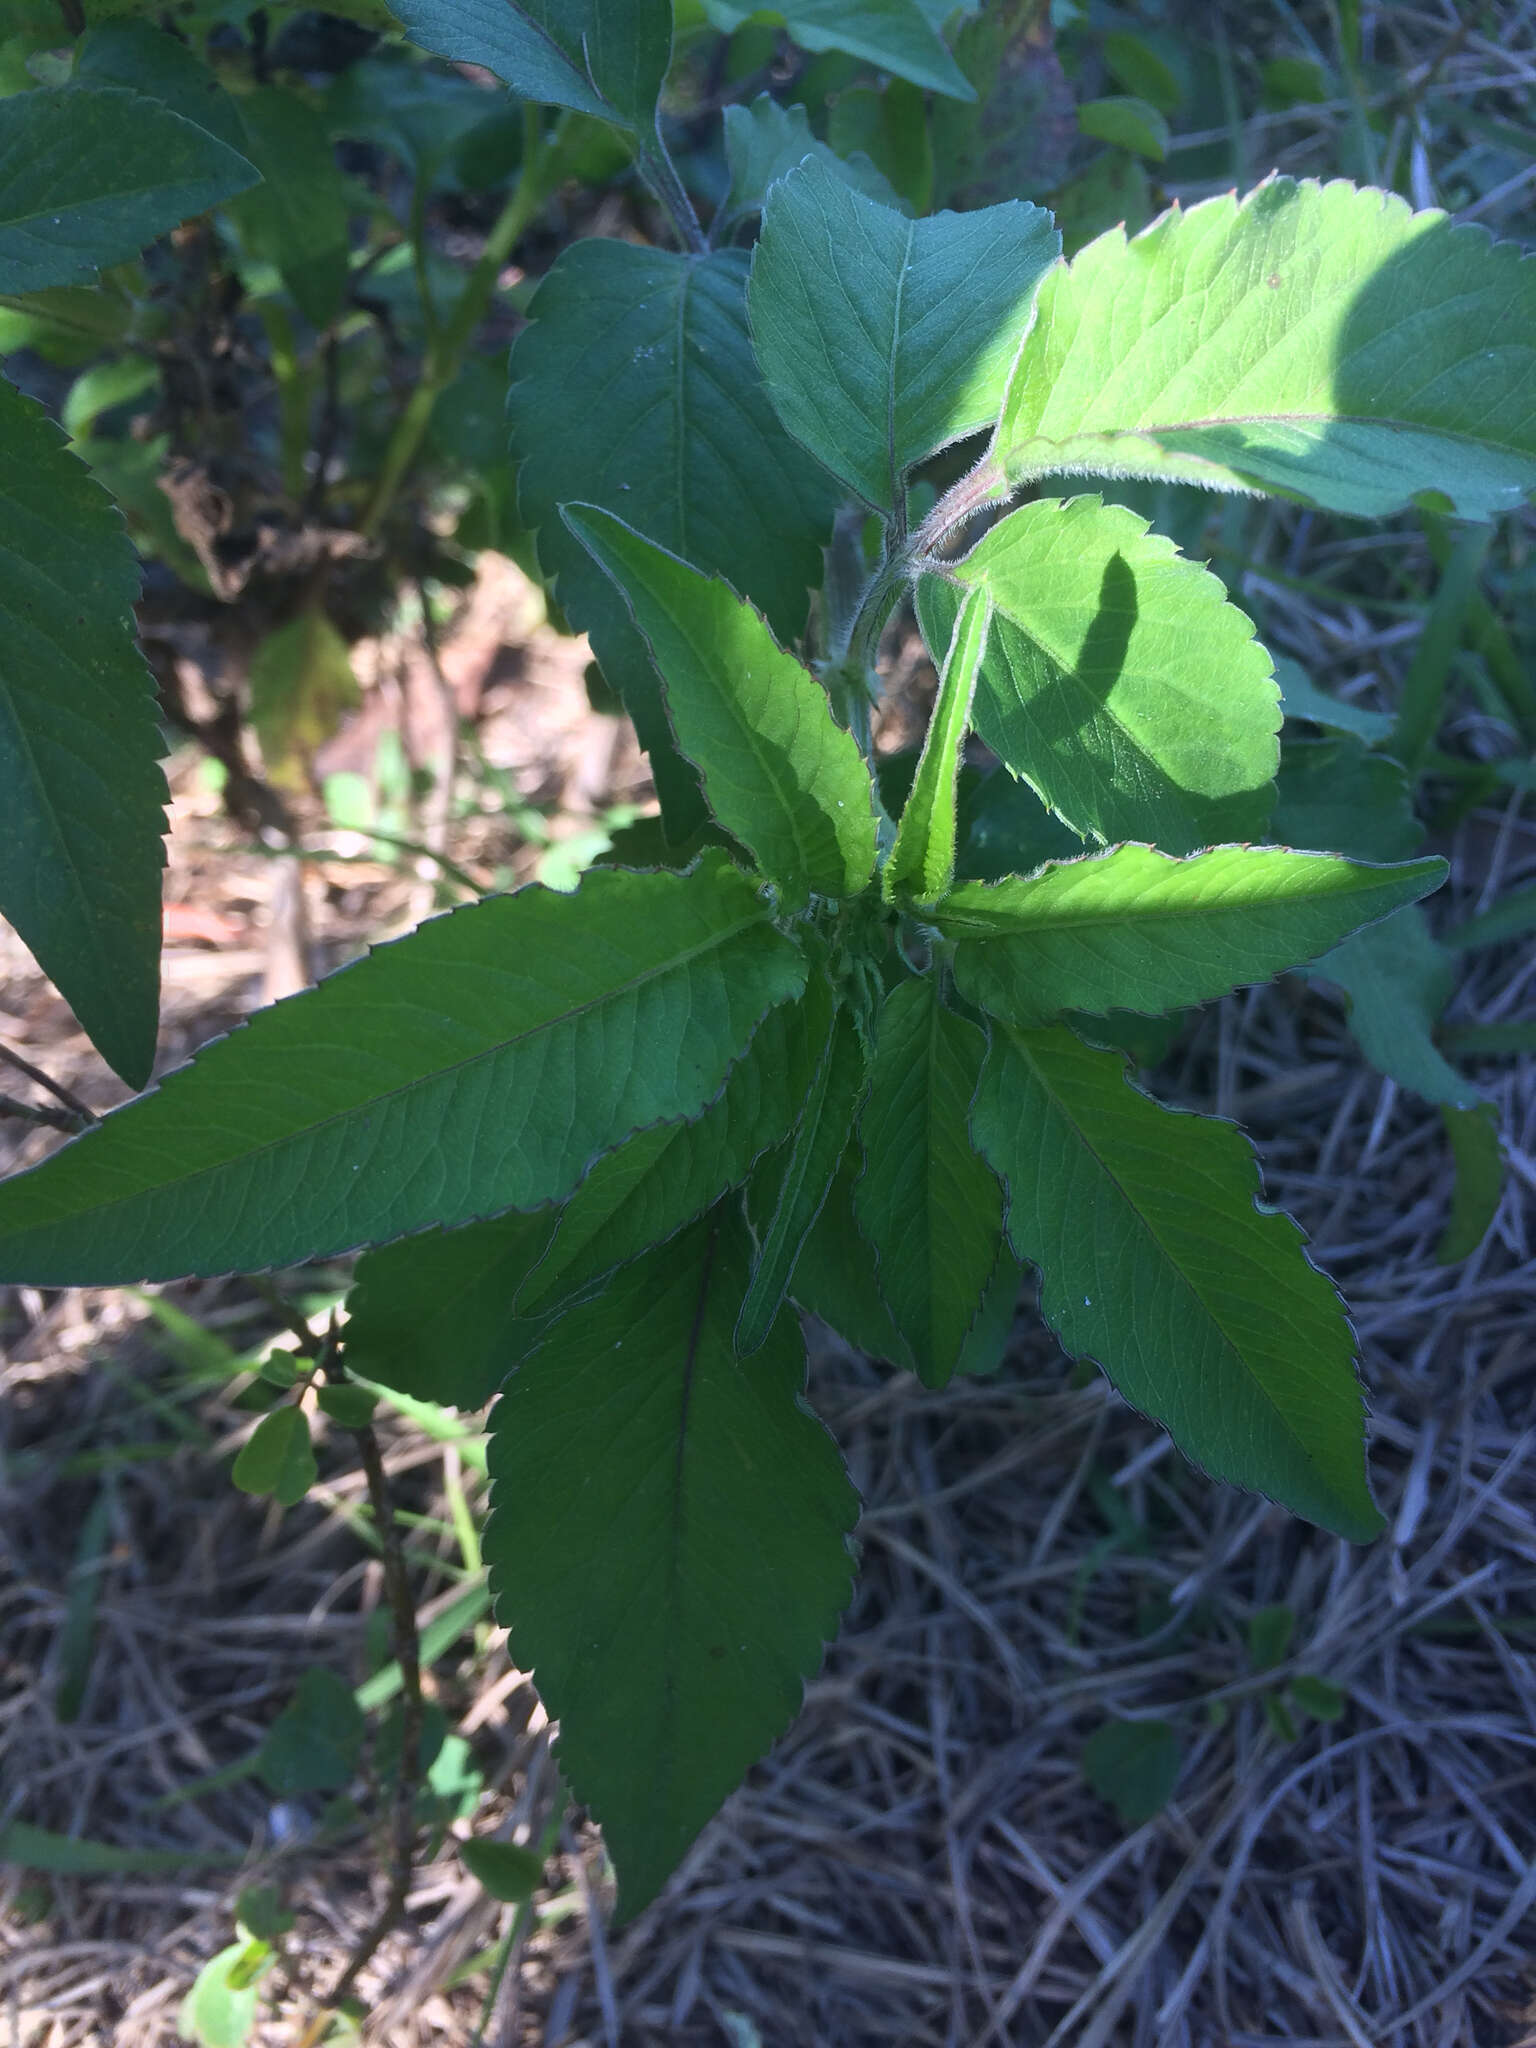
[
  {"x": 676, "y": 963},
  {"x": 1145, "y": 1223}
]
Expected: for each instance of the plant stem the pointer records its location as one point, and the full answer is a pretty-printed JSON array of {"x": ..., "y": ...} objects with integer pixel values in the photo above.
[
  {"x": 81, "y": 1111},
  {"x": 446, "y": 346},
  {"x": 660, "y": 173},
  {"x": 407, "y": 1648},
  {"x": 50, "y": 1119}
]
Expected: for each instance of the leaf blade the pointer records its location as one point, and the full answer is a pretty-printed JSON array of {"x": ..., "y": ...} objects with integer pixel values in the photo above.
[
  {"x": 1317, "y": 340},
  {"x": 90, "y": 174},
  {"x": 80, "y": 847},
  {"x": 672, "y": 1635},
  {"x": 922, "y": 862},
  {"x": 883, "y": 339},
  {"x": 932, "y": 1209},
  {"x": 478, "y": 1065},
  {"x": 595, "y": 56},
  {"x": 1156, "y": 1260},
  {"x": 1134, "y": 929},
  {"x": 781, "y": 775},
  {"x": 1117, "y": 679}
]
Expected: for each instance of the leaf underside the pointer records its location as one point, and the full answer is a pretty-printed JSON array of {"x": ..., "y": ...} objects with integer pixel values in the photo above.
[
  {"x": 667, "y": 1543},
  {"x": 1318, "y": 340},
  {"x": 82, "y": 814},
  {"x": 479, "y": 1064},
  {"x": 1155, "y": 1261}
]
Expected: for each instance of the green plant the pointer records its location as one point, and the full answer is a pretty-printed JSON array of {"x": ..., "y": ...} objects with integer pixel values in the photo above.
[{"x": 811, "y": 1039}]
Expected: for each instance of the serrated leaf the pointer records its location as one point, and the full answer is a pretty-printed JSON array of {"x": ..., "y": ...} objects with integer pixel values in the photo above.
[
  {"x": 1134, "y": 929},
  {"x": 932, "y": 1209},
  {"x": 1317, "y": 340},
  {"x": 922, "y": 862},
  {"x": 1156, "y": 1261},
  {"x": 508, "y": 1873},
  {"x": 897, "y": 35},
  {"x": 671, "y": 1604},
  {"x": 1332, "y": 793},
  {"x": 90, "y": 174},
  {"x": 148, "y": 60},
  {"x": 479, "y": 1064},
  {"x": 883, "y": 339},
  {"x": 437, "y": 1317},
  {"x": 635, "y": 389},
  {"x": 780, "y": 774},
  {"x": 603, "y": 57},
  {"x": 835, "y": 1274},
  {"x": 664, "y": 1178},
  {"x": 1479, "y": 1184},
  {"x": 787, "y": 1192},
  {"x": 82, "y": 817},
  {"x": 1117, "y": 681},
  {"x": 1398, "y": 981},
  {"x": 278, "y": 1458},
  {"x": 763, "y": 143},
  {"x": 301, "y": 681}
]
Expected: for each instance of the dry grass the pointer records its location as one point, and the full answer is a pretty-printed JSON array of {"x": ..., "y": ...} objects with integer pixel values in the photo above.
[{"x": 921, "y": 1859}]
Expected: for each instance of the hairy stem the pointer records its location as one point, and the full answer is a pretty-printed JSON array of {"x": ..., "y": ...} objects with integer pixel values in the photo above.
[{"x": 660, "y": 174}]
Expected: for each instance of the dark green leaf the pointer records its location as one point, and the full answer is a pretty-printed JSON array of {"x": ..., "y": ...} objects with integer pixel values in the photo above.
[
  {"x": 1316, "y": 340},
  {"x": 1134, "y": 1766},
  {"x": 780, "y": 774},
  {"x": 1333, "y": 794},
  {"x": 436, "y": 1317},
  {"x": 90, "y": 174},
  {"x": 1006, "y": 830},
  {"x": 1479, "y": 1186},
  {"x": 897, "y": 35},
  {"x": 932, "y": 1209},
  {"x": 352, "y": 1407},
  {"x": 1128, "y": 123},
  {"x": 1118, "y": 682},
  {"x": 148, "y": 60},
  {"x": 635, "y": 389},
  {"x": 664, "y": 1178},
  {"x": 667, "y": 1543},
  {"x": 479, "y": 1064},
  {"x": 260, "y": 1911},
  {"x": 1269, "y": 1635},
  {"x": 889, "y": 127},
  {"x": 296, "y": 218},
  {"x": 764, "y": 142},
  {"x": 604, "y": 57},
  {"x": 835, "y": 1275},
  {"x": 1319, "y": 1697},
  {"x": 922, "y": 862},
  {"x": 1301, "y": 698},
  {"x": 316, "y": 1741},
  {"x": 1398, "y": 981},
  {"x": 77, "y": 1856},
  {"x": 1134, "y": 929},
  {"x": 80, "y": 851},
  {"x": 508, "y": 1873},
  {"x": 278, "y": 1458},
  {"x": 882, "y": 339},
  {"x": 787, "y": 1192},
  {"x": 1156, "y": 1260}
]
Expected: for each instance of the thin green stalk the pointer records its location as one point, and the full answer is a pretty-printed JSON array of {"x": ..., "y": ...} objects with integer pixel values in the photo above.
[
  {"x": 445, "y": 350},
  {"x": 1423, "y": 695},
  {"x": 660, "y": 173}
]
